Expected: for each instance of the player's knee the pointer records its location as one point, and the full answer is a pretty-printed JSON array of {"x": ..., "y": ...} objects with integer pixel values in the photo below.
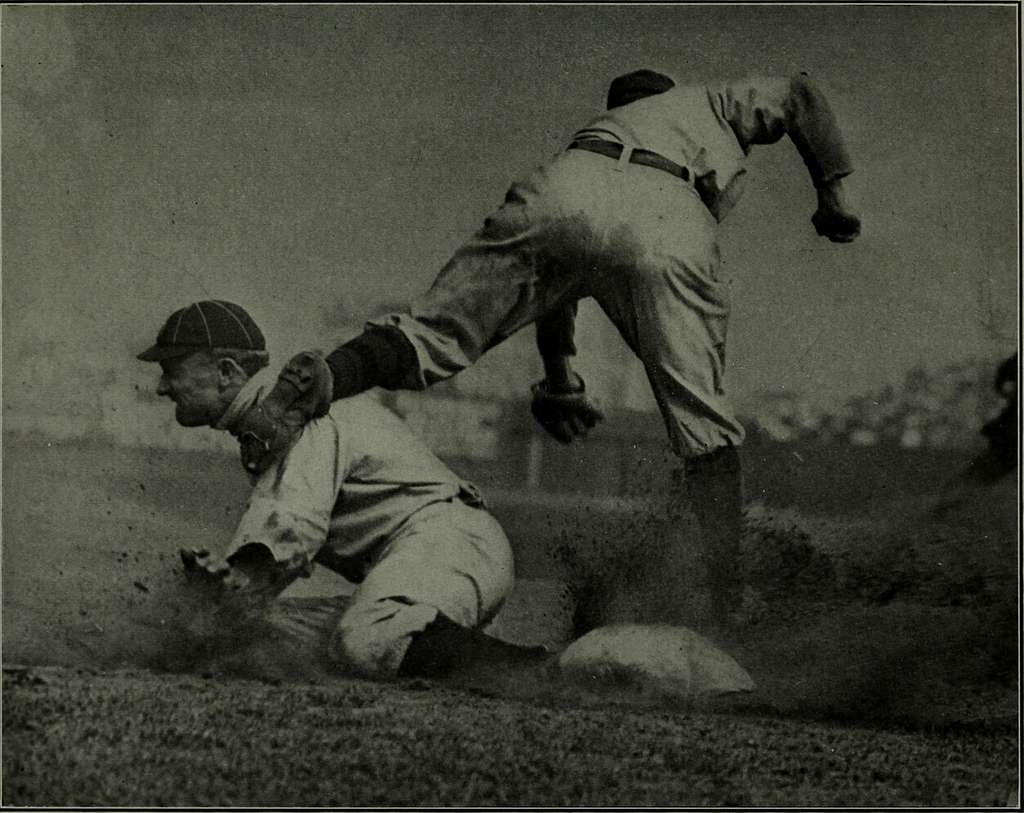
[{"x": 372, "y": 641}]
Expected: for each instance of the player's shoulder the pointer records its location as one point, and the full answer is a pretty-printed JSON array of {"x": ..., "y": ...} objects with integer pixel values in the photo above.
[
  {"x": 348, "y": 417},
  {"x": 689, "y": 99},
  {"x": 367, "y": 429},
  {"x": 364, "y": 416},
  {"x": 366, "y": 406},
  {"x": 350, "y": 424}
]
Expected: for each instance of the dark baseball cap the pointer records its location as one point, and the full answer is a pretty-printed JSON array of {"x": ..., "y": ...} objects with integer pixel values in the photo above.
[
  {"x": 203, "y": 326},
  {"x": 637, "y": 85}
]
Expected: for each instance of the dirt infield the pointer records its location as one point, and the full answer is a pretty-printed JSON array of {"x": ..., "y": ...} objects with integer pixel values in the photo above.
[{"x": 883, "y": 643}]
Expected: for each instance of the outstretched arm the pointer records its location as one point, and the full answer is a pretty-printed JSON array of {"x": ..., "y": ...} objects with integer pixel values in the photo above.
[
  {"x": 284, "y": 526},
  {"x": 242, "y": 586}
]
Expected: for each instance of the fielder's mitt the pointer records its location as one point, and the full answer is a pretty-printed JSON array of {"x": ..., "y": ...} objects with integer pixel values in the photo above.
[
  {"x": 303, "y": 392},
  {"x": 564, "y": 415}
]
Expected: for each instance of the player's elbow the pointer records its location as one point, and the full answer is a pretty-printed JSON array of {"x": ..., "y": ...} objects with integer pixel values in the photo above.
[{"x": 807, "y": 96}]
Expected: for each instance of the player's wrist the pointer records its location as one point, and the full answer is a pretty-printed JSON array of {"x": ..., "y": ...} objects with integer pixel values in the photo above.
[
  {"x": 559, "y": 377},
  {"x": 564, "y": 385}
]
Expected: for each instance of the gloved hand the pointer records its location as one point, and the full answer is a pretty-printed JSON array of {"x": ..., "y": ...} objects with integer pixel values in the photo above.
[
  {"x": 303, "y": 392},
  {"x": 833, "y": 218},
  {"x": 564, "y": 415}
]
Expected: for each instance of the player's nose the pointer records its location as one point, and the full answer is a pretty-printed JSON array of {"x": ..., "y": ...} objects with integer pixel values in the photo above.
[{"x": 162, "y": 387}]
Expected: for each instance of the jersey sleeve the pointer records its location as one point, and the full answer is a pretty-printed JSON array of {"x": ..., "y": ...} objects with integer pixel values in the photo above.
[
  {"x": 289, "y": 510},
  {"x": 761, "y": 111}
]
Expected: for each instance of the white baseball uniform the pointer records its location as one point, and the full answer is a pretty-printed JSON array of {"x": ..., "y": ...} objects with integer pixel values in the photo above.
[
  {"x": 639, "y": 240},
  {"x": 359, "y": 493}
]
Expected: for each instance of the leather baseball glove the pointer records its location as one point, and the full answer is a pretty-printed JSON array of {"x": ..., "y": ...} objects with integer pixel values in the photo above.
[{"x": 564, "y": 415}]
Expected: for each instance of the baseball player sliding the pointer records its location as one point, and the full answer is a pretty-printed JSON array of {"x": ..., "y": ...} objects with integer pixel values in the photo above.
[
  {"x": 357, "y": 493},
  {"x": 626, "y": 214}
]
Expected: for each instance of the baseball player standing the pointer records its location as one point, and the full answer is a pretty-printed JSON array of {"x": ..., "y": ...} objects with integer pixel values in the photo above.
[
  {"x": 627, "y": 214},
  {"x": 357, "y": 493}
]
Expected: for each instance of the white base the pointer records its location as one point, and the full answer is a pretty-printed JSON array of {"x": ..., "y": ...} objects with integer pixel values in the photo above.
[{"x": 675, "y": 660}]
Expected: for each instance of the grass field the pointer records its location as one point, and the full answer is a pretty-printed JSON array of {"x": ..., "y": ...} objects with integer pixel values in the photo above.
[{"x": 883, "y": 640}]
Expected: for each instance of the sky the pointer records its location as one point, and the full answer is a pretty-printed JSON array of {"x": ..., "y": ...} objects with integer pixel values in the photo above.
[{"x": 316, "y": 163}]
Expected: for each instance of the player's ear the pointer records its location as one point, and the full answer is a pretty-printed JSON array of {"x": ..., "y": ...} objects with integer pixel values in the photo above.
[{"x": 230, "y": 372}]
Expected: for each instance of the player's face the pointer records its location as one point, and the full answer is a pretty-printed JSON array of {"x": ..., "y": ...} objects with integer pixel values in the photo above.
[{"x": 193, "y": 383}]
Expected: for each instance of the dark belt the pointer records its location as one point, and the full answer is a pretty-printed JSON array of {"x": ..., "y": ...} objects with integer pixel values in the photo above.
[{"x": 645, "y": 158}]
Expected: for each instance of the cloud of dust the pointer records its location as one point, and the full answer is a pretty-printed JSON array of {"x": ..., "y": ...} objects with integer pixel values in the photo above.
[
  {"x": 906, "y": 617},
  {"x": 180, "y": 628}
]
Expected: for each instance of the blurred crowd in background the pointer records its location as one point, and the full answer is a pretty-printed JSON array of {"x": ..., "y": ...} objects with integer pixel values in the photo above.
[
  {"x": 939, "y": 408},
  {"x": 942, "y": 408}
]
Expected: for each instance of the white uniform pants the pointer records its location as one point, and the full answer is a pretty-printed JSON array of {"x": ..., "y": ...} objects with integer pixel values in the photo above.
[
  {"x": 449, "y": 558},
  {"x": 638, "y": 240}
]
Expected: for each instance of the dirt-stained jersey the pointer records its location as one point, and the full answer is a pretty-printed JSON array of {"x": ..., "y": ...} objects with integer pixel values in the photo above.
[{"x": 349, "y": 482}]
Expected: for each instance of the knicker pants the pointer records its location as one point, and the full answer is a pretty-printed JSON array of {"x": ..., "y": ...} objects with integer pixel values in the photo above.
[
  {"x": 449, "y": 558},
  {"x": 638, "y": 240}
]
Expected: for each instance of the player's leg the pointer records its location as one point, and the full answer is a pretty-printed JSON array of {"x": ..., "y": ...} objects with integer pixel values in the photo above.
[
  {"x": 672, "y": 310},
  {"x": 530, "y": 255},
  {"x": 713, "y": 486},
  {"x": 420, "y": 609},
  {"x": 523, "y": 261},
  {"x": 517, "y": 266}
]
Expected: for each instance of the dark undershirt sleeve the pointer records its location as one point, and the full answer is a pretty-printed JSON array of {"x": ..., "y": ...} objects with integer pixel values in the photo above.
[{"x": 556, "y": 331}]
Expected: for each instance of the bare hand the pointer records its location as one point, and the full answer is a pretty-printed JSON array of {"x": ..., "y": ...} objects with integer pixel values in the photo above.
[
  {"x": 205, "y": 570},
  {"x": 834, "y": 218}
]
